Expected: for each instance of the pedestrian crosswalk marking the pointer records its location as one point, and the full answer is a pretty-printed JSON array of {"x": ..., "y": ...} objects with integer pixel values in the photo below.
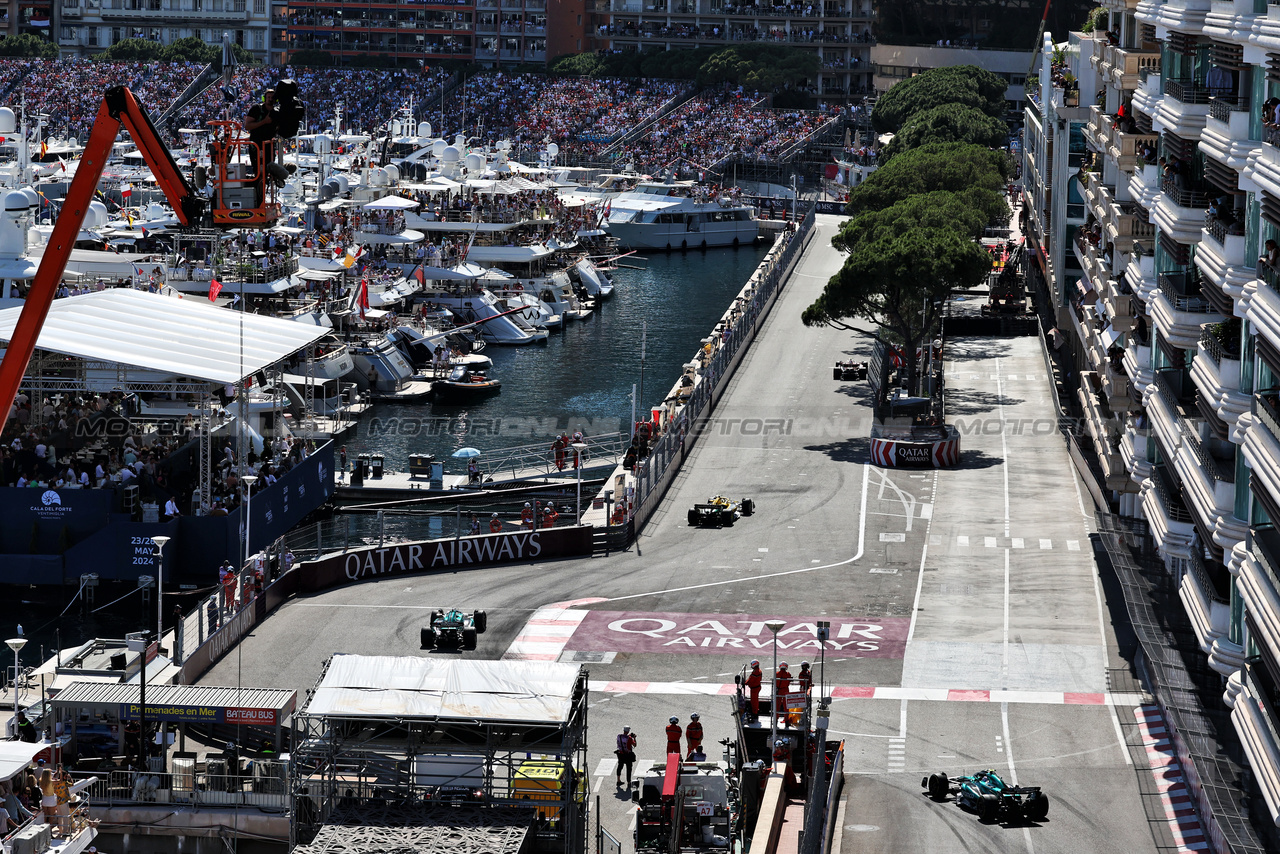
[{"x": 1046, "y": 544}]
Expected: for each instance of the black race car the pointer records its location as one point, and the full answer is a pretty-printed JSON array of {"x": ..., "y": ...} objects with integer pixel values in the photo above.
[
  {"x": 986, "y": 794},
  {"x": 453, "y": 629},
  {"x": 720, "y": 512}
]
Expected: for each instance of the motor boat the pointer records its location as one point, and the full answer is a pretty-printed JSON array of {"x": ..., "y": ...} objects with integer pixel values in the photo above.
[
  {"x": 679, "y": 215},
  {"x": 463, "y": 384}
]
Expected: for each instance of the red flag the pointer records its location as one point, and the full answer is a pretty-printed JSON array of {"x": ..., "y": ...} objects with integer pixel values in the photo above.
[
  {"x": 364, "y": 296},
  {"x": 419, "y": 275},
  {"x": 215, "y": 287}
]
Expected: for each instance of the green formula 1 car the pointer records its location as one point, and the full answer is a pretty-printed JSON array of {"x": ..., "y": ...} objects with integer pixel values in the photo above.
[
  {"x": 720, "y": 512},
  {"x": 453, "y": 629},
  {"x": 988, "y": 795}
]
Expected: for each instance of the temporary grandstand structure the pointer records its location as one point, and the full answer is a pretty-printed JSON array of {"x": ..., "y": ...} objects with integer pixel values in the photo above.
[{"x": 382, "y": 737}]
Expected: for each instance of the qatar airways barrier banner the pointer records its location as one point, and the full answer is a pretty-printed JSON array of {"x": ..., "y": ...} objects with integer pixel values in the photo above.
[{"x": 737, "y": 634}]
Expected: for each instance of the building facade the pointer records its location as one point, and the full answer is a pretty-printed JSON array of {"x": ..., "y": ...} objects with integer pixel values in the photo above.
[
  {"x": 1158, "y": 244},
  {"x": 87, "y": 27},
  {"x": 839, "y": 31}
]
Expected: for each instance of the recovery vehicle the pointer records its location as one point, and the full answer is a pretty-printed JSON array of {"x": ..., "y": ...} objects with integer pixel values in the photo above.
[{"x": 684, "y": 806}]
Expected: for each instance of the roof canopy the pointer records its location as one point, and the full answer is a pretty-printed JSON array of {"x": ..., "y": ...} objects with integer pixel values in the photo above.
[
  {"x": 16, "y": 755},
  {"x": 180, "y": 337},
  {"x": 382, "y": 686},
  {"x": 169, "y": 697}
]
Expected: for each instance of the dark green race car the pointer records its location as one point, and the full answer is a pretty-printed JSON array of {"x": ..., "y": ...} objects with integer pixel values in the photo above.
[
  {"x": 988, "y": 795},
  {"x": 453, "y": 629}
]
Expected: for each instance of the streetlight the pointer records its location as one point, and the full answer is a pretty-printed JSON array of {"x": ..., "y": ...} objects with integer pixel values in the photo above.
[
  {"x": 15, "y": 644},
  {"x": 579, "y": 448},
  {"x": 248, "y": 480},
  {"x": 774, "y": 626},
  {"x": 160, "y": 543}
]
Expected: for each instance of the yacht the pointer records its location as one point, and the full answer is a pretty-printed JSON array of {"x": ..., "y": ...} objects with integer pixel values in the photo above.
[{"x": 678, "y": 215}]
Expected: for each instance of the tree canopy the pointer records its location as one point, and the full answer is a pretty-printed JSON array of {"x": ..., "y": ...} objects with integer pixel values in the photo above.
[
  {"x": 949, "y": 123},
  {"x": 912, "y": 241},
  {"x": 762, "y": 67},
  {"x": 190, "y": 49},
  {"x": 954, "y": 167},
  {"x": 26, "y": 44},
  {"x": 965, "y": 85}
]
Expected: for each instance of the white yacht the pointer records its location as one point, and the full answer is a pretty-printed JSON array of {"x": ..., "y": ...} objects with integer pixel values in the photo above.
[{"x": 678, "y": 215}]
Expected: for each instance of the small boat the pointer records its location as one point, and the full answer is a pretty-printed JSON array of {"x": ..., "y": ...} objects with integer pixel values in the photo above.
[{"x": 465, "y": 384}]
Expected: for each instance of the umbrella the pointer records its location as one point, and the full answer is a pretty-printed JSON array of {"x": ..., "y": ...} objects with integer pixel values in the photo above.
[{"x": 466, "y": 452}]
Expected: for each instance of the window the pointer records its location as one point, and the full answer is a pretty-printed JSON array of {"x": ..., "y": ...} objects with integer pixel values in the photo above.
[
  {"x": 259, "y": 7},
  {"x": 174, "y": 35},
  {"x": 259, "y": 40}
]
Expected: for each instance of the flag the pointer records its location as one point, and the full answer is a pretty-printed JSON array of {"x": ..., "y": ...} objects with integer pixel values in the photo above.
[
  {"x": 126, "y": 192},
  {"x": 215, "y": 287},
  {"x": 419, "y": 275},
  {"x": 364, "y": 296},
  {"x": 337, "y": 251},
  {"x": 62, "y": 164},
  {"x": 44, "y": 149}
]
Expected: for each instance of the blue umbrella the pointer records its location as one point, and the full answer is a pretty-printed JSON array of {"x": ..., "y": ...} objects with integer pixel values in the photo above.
[{"x": 466, "y": 452}]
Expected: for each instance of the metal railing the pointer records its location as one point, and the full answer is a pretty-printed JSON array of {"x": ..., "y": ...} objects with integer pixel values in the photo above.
[
  {"x": 1264, "y": 543},
  {"x": 1170, "y": 496},
  {"x": 1215, "y": 469},
  {"x": 1222, "y": 106},
  {"x": 263, "y": 785},
  {"x": 1171, "y": 395},
  {"x": 1183, "y": 292},
  {"x": 1217, "y": 230},
  {"x": 1187, "y": 91},
  {"x": 1184, "y": 197},
  {"x": 1265, "y": 405},
  {"x": 1208, "y": 581}
]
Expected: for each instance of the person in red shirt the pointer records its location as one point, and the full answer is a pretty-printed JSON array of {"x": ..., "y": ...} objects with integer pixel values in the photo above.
[
  {"x": 781, "y": 686},
  {"x": 673, "y": 735},
  {"x": 526, "y": 516},
  {"x": 754, "y": 680},
  {"x": 549, "y": 518},
  {"x": 495, "y": 524},
  {"x": 805, "y": 677},
  {"x": 693, "y": 734}
]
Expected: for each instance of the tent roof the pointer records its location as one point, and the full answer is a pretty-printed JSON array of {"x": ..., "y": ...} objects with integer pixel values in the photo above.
[
  {"x": 85, "y": 693},
  {"x": 383, "y": 686},
  {"x": 16, "y": 755},
  {"x": 182, "y": 337}
]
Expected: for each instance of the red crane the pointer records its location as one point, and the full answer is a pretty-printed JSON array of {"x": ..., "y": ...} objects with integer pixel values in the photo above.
[{"x": 239, "y": 200}]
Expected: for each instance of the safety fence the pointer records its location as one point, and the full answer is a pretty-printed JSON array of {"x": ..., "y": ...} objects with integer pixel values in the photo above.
[
  {"x": 684, "y": 411},
  {"x": 211, "y": 783}
]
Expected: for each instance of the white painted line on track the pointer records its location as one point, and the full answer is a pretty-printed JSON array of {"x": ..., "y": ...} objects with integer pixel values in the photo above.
[
  {"x": 862, "y": 531},
  {"x": 1004, "y": 448}
]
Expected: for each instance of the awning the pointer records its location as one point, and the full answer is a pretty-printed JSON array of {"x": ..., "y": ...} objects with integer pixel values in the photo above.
[
  {"x": 159, "y": 333},
  {"x": 1109, "y": 337},
  {"x": 1088, "y": 296},
  {"x": 391, "y": 203},
  {"x": 381, "y": 687},
  {"x": 319, "y": 275},
  {"x": 16, "y": 755}
]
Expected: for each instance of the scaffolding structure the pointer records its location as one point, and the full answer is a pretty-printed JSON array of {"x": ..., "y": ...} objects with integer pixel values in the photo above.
[{"x": 459, "y": 776}]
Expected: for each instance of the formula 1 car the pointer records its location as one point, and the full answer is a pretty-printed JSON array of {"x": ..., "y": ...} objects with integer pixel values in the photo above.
[
  {"x": 849, "y": 371},
  {"x": 986, "y": 794},
  {"x": 720, "y": 512},
  {"x": 454, "y": 629}
]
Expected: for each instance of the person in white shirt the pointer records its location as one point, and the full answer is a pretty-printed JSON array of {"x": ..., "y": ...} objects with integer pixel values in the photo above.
[
  {"x": 171, "y": 508},
  {"x": 41, "y": 450},
  {"x": 127, "y": 474},
  {"x": 99, "y": 473},
  {"x": 84, "y": 479}
]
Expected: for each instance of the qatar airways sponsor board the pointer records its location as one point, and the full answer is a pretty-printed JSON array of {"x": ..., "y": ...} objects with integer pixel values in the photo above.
[{"x": 738, "y": 634}]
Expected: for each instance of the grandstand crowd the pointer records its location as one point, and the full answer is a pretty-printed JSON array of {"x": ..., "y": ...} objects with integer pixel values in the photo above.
[{"x": 583, "y": 116}]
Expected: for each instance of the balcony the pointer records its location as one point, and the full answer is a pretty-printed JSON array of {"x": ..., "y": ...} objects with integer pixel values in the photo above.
[
  {"x": 1105, "y": 430},
  {"x": 1122, "y": 306},
  {"x": 1180, "y": 209},
  {"x": 1254, "y": 717},
  {"x": 1133, "y": 451},
  {"x": 150, "y": 14},
  {"x": 1128, "y": 65},
  {"x": 1098, "y": 129},
  {"x": 1187, "y": 91},
  {"x": 1262, "y": 448},
  {"x": 1208, "y": 483},
  {"x": 1124, "y": 225},
  {"x": 1137, "y": 364},
  {"x": 1172, "y": 526},
  {"x": 1127, "y": 148},
  {"x": 1222, "y": 106},
  {"x": 1216, "y": 373},
  {"x": 1179, "y": 309},
  {"x": 1204, "y": 590}
]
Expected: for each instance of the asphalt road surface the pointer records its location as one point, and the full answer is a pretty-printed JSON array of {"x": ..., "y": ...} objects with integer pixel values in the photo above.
[{"x": 970, "y": 629}]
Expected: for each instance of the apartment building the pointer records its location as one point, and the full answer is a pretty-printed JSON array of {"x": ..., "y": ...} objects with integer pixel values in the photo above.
[
  {"x": 87, "y": 27},
  {"x": 839, "y": 31},
  {"x": 1152, "y": 170}
]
